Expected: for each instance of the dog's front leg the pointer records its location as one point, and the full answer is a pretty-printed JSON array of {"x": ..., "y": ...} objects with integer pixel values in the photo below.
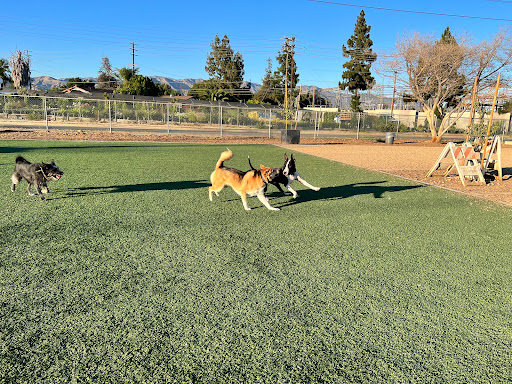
[
  {"x": 265, "y": 202},
  {"x": 39, "y": 192},
  {"x": 304, "y": 182},
  {"x": 243, "y": 195},
  {"x": 278, "y": 186},
  {"x": 294, "y": 194}
]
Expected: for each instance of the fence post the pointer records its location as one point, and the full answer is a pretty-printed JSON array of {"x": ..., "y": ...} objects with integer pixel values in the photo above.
[
  {"x": 220, "y": 120},
  {"x": 45, "y": 114},
  {"x": 168, "y": 129},
  {"x": 358, "y": 124},
  {"x": 269, "y": 123},
  {"x": 110, "y": 115},
  {"x": 316, "y": 123}
]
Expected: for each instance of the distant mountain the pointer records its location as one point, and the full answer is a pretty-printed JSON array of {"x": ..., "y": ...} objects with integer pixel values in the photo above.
[
  {"x": 183, "y": 86},
  {"x": 46, "y": 82}
]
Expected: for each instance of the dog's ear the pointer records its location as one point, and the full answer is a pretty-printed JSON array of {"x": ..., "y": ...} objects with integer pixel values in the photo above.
[
  {"x": 292, "y": 156},
  {"x": 53, "y": 162},
  {"x": 285, "y": 156},
  {"x": 262, "y": 166}
]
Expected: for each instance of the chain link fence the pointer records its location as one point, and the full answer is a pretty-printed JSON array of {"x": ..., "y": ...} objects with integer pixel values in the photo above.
[{"x": 210, "y": 118}]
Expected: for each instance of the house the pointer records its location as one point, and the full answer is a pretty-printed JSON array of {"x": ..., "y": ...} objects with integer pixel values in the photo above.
[{"x": 76, "y": 89}]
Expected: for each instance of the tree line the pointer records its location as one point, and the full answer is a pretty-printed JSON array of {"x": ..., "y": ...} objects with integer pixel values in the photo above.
[{"x": 439, "y": 75}]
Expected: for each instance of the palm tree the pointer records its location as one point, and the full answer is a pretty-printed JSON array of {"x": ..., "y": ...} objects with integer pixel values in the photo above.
[{"x": 4, "y": 71}]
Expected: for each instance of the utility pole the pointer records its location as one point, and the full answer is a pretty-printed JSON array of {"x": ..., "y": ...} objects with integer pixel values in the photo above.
[
  {"x": 292, "y": 51},
  {"x": 133, "y": 56},
  {"x": 286, "y": 84}
]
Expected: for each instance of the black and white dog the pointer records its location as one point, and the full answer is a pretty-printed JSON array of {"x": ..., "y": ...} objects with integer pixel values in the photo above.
[
  {"x": 36, "y": 174},
  {"x": 287, "y": 174}
]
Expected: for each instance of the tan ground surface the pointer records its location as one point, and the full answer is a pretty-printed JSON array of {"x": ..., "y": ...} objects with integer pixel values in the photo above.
[{"x": 405, "y": 159}]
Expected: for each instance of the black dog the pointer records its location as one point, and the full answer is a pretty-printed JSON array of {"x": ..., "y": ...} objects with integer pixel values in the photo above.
[
  {"x": 287, "y": 174},
  {"x": 37, "y": 175}
]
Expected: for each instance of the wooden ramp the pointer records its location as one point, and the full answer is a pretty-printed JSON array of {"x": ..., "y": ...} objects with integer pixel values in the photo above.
[
  {"x": 461, "y": 157},
  {"x": 492, "y": 159}
]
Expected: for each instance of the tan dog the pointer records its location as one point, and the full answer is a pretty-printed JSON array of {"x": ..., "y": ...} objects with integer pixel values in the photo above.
[{"x": 244, "y": 183}]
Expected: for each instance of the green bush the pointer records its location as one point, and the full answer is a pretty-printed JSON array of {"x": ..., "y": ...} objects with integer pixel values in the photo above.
[
  {"x": 35, "y": 116},
  {"x": 480, "y": 129}
]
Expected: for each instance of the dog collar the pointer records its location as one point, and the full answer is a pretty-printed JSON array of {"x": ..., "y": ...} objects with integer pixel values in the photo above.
[
  {"x": 41, "y": 170},
  {"x": 262, "y": 178}
]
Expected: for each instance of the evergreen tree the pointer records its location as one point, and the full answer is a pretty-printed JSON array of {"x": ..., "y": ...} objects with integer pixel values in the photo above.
[
  {"x": 286, "y": 72},
  {"x": 267, "y": 92},
  {"x": 357, "y": 76},
  {"x": 225, "y": 67}
]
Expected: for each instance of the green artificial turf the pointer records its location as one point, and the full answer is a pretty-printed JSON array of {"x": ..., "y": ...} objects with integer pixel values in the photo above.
[{"x": 128, "y": 273}]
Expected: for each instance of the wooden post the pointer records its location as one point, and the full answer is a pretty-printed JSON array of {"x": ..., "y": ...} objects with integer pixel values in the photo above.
[
  {"x": 298, "y": 104},
  {"x": 490, "y": 121},
  {"x": 286, "y": 88},
  {"x": 472, "y": 110}
]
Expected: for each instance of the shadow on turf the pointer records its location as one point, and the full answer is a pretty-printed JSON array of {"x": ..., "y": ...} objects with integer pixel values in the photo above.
[
  {"x": 166, "y": 186},
  {"x": 340, "y": 192},
  {"x": 345, "y": 191}
]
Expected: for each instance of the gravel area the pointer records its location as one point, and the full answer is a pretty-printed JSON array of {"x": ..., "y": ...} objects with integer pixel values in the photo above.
[
  {"x": 408, "y": 159},
  {"x": 413, "y": 161}
]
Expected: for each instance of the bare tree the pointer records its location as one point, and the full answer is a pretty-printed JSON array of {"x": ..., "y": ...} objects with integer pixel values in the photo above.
[
  {"x": 106, "y": 76},
  {"x": 20, "y": 70},
  {"x": 440, "y": 74}
]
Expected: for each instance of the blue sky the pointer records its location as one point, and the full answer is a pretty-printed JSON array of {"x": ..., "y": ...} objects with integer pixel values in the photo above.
[{"x": 68, "y": 39}]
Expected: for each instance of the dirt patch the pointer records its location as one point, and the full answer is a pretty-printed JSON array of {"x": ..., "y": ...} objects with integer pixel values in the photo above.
[
  {"x": 413, "y": 161},
  {"x": 408, "y": 159}
]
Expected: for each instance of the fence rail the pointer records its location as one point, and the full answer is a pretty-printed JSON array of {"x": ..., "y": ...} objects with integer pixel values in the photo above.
[{"x": 141, "y": 116}]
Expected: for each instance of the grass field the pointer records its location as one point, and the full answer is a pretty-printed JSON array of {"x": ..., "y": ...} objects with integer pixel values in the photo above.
[{"x": 128, "y": 273}]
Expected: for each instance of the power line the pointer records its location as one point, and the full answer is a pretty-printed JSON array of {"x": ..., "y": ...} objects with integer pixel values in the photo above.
[{"x": 409, "y": 11}]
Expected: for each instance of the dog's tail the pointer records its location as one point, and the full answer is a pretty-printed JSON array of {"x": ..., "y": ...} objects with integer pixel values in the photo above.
[
  {"x": 21, "y": 159},
  {"x": 250, "y": 165},
  {"x": 226, "y": 155}
]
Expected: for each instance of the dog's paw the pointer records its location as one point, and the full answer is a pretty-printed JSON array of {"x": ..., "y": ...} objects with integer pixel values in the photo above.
[
  {"x": 316, "y": 189},
  {"x": 295, "y": 196},
  {"x": 274, "y": 209}
]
